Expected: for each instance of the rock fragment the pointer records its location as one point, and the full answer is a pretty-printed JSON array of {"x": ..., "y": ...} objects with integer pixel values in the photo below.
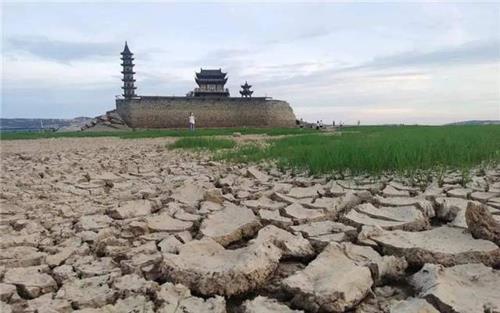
[
  {"x": 18, "y": 239},
  {"x": 47, "y": 304},
  {"x": 382, "y": 268},
  {"x": 165, "y": 223},
  {"x": 130, "y": 284},
  {"x": 483, "y": 196},
  {"x": 367, "y": 186},
  {"x": 404, "y": 217},
  {"x": 132, "y": 304},
  {"x": 66, "y": 250},
  {"x": 466, "y": 288},
  {"x": 206, "y": 267},
  {"x": 6, "y": 291},
  {"x": 145, "y": 263},
  {"x": 63, "y": 273},
  {"x": 255, "y": 173},
  {"x": 170, "y": 245},
  {"x": 5, "y": 308},
  {"x": 88, "y": 268},
  {"x": 131, "y": 209},
  {"x": 336, "y": 190},
  {"x": 481, "y": 224},
  {"x": 214, "y": 195},
  {"x": 230, "y": 224},
  {"x": 301, "y": 215},
  {"x": 396, "y": 201},
  {"x": 306, "y": 192},
  {"x": 92, "y": 292},
  {"x": 330, "y": 283},
  {"x": 21, "y": 256},
  {"x": 175, "y": 298},
  {"x": 463, "y": 193},
  {"x": 412, "y": 305},
  {"x": 264, "y": 203},
  {"x": 207, "y": 207},
  {"x": 262, "y": 304},
  {"x": 452, "y": 210},
  {"x": 323, "y": 232},
  {"x": 291, "y": 245},
  {"x": 189, "y": 194},
  {"x": 390, "y": 191},
  {"x": 33, "y": 281},
  {"x": 274, "y": 218},
  {"x": 443, "y": 245},
  {"x": 93, "y": 222}
]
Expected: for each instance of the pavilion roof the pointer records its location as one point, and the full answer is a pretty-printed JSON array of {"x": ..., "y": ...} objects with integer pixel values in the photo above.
[
  {"x": 211, "y": 73},
  {"x": 246, "y": 86}
]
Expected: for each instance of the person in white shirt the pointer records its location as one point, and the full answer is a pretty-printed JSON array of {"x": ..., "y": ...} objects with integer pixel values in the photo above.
[{"x": 192, "y": 121}]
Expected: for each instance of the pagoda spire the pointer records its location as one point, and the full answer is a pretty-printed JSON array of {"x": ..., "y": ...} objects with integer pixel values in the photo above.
[
  {"x": 128, "y": 73},
  {"x": 246, "y": 92}
]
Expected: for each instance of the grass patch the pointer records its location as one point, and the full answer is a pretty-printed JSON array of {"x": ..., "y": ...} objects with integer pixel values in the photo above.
[
  {"x": 157, "y": 133},
  {"x": 380, "y": 149},
  {"x": 212, "y": 144}
]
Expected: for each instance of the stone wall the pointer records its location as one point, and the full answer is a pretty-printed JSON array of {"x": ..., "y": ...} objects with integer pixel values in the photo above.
[{"x": 172, "y": 112}]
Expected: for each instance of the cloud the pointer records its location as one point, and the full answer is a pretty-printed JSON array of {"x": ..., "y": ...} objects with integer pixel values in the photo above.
[
  {"x": 227, "y": 57},
  {"x": 471, "y": 52},
  {"x": 406, "y": 65},
  {"x": 61, "y": 51},
  {"x": 304, "y": 35}
]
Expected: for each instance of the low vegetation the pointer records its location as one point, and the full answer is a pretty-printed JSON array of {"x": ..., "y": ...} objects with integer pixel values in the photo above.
[
  {"x": 379, "y": 149},
  {"x": 211, "y": 144},
  {"x": 375, "y": 149},
  {"x": 157, "y": 133}
]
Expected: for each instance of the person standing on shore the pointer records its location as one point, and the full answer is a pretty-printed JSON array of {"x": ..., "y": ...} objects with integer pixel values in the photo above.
[{"x": 192, "y": 121}]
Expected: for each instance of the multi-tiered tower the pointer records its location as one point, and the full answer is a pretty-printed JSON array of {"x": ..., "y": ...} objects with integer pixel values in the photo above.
[
  {"x": 246, "y": 92},
  {"x": 128, "y": 73}
]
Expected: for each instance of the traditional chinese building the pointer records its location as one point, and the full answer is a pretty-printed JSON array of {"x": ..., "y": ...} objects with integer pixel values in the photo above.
[
  {"x": 209, "y": 102},
  {"x": 128, "y": 73},
  {"x": 246, "y": 92},
  {"x": 211, "y": 83}
]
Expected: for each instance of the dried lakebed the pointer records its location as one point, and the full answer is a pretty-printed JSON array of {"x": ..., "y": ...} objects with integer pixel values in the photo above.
[{"x": 110, "y": 225}]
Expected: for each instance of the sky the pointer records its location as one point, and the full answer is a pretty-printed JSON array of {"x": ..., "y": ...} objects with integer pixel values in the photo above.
[{"x": 412, "y": 63}]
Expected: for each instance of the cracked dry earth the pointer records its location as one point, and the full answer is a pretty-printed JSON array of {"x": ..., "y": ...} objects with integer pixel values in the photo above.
[{"x": 110, "y": 225}]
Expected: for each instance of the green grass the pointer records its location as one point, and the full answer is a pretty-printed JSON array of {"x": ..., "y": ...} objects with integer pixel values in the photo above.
[
  {"x": 371, "y": 149},
  {"x": 156, "y": 133},
  {"x": 380, "y": 149},
  {"x": 195, "y": 143}
]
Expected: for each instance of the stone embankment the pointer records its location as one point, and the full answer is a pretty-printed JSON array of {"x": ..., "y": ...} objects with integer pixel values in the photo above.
[
  {"x": 109, "y": 225},
  {"x": 111, "y": 121}
]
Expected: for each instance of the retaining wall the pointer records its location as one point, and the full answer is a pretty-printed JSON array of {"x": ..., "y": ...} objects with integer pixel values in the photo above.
[{"x": 173, "y": 112}]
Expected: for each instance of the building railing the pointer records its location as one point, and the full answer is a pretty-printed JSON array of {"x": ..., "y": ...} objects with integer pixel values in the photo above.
[
  {"x": 208, "y": 90},
  {"x": 189, "y": 95}
]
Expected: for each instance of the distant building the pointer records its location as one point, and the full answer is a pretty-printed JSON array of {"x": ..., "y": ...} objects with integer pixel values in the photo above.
[
  {"x": 211, "y": 83},
  {"x": 209, "y": 102},
  {"x": 128, "y": 73},
  {"x": 246, "y": 92}
]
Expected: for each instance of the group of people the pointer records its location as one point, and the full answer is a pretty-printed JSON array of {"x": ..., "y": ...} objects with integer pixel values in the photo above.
[{"x": 318, "y": 125}]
